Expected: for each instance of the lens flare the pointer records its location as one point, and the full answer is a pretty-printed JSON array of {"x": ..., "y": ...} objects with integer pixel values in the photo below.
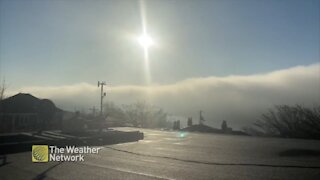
[
  {"x": 182, "y": 134},
  {"x": 145, "y": 41}
]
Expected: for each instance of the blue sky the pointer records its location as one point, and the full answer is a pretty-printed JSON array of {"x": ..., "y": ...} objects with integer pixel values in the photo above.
[
  {"x": 232, "y": 59},
  {"x": 66, "y": 42}
]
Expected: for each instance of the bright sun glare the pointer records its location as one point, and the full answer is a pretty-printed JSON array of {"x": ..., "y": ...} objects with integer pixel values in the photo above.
[{"x": 145, "y": 41}]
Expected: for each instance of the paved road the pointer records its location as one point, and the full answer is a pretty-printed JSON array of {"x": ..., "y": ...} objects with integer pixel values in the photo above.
[{"x": 174, "y": 155}]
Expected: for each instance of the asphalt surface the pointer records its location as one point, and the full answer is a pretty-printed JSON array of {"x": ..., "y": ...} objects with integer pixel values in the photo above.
[{"x": 174, "y": 155}]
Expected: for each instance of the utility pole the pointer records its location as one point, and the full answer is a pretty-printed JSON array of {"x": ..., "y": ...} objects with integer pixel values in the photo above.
[{"x": 103, "y": 94}]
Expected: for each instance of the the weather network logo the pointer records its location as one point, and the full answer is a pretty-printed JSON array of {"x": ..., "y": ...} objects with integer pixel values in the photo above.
[
  {"x": 45, "y": 153},
  {"x": 40, "y": 153}
]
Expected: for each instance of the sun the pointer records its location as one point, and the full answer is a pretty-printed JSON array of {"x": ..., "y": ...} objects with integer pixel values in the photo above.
[{"x": 145, "y": 41}]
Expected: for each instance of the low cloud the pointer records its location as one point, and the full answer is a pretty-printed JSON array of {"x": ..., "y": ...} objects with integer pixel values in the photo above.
[{"x": 238, "y": 99}]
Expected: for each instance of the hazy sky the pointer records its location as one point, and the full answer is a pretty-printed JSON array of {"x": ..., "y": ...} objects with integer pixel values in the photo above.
[{"x": 69, "y": 43}]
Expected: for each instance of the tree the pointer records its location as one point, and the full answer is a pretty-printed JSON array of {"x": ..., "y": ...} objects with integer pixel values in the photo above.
[
  {"x": 190, "y": 121},
  {"x": 176, "y": 125},
  {"x": 291, "y": 121},
  {"x": 114, "y": 113},
  {"x": 142, "y": 114},
  {"x": 224, "y": 126},
  {"x": 2, "y": 90}
]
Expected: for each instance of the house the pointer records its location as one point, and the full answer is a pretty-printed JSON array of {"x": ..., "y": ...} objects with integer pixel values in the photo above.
[{"x": 25, "y": 113}]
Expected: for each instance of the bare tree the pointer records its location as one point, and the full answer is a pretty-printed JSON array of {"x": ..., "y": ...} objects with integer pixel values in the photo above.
[
  {"x": 114, "y": 113},
  {"x": 145, "y": 115},
  {"x": 291, "y": 121}
]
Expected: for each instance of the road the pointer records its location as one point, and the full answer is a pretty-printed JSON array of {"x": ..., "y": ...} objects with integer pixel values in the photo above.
[{"x": 174, "y": 155}]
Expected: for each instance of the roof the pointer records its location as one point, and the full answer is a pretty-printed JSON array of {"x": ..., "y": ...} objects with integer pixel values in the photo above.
[{"x": 27, "y": 103}]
